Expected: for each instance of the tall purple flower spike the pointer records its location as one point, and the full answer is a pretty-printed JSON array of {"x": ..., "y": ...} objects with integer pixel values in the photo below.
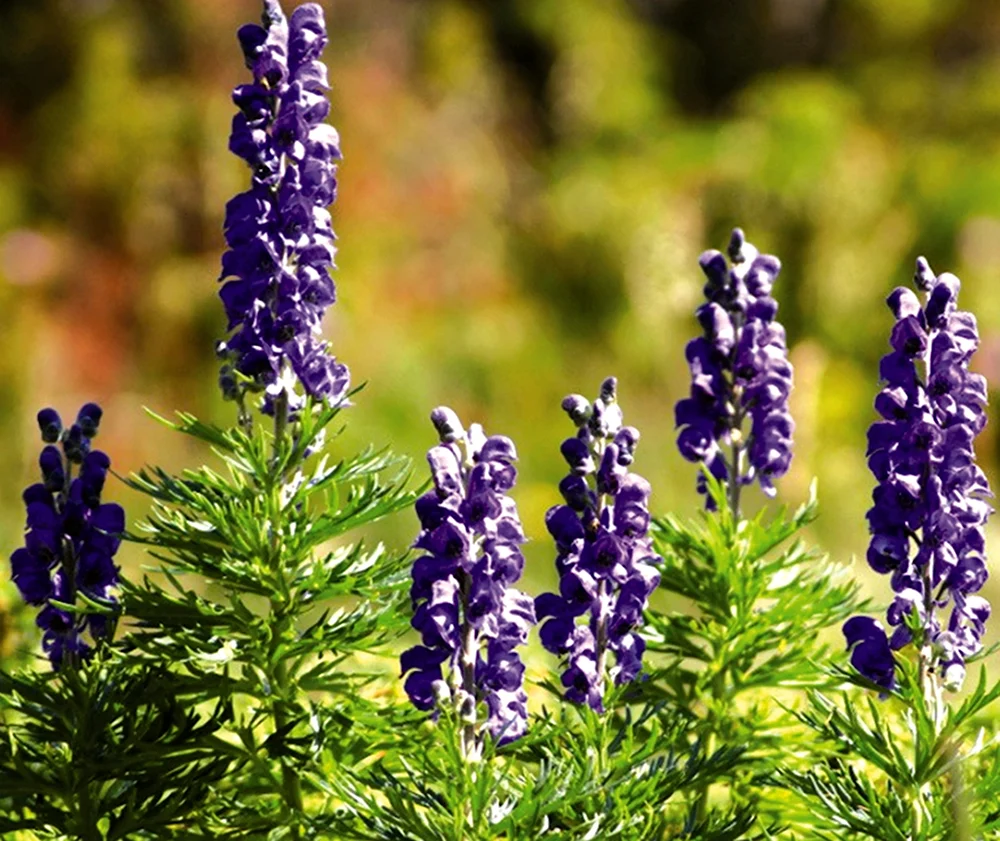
[
  {"x": 280, "y": 237},
  {"x": 929, "y": 513},
  {"x": 470, "y": 618},
  {"x": 739, "y": 373},
  {"x": 70, "y": 539},
  {"x": 605, "y": 559}
]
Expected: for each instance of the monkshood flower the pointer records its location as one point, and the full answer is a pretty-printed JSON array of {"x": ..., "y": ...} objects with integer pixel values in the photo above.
[
  {"x": 927, "y": 521},
  {"x": 740, "y": 375},
  {"x": 70, "y": 538},
  {"x": 471, "y": 620},
  {"x": 280, "y": 237},
  {"x": 605, "y": 558}
]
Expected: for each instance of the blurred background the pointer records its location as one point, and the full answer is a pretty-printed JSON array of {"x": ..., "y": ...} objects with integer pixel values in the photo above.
[{"x": 526, "y": 188}]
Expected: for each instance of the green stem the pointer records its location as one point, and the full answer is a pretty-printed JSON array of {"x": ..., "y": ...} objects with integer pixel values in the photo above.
[
  {"x": 280, "y": 621},
  {"x": 291, "y": 788},
  {"x": 919, "y": 810},
  {"x": 719, "y": 685},
  {"x": 958, "y": 800},
  {"x": 719, "y": 694},
  {"x": 734, "y": 479},
  {"x": 87, "y": 821}
]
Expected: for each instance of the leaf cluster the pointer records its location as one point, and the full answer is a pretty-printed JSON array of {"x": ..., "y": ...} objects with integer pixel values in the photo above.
[
  {"x": 933, "y": 778},
  {"x": 267, "y": 600},
  {"x": 104, "y": 751},
  {"x": 755, "y": 603},
  {"x": 576, "y": 775}
]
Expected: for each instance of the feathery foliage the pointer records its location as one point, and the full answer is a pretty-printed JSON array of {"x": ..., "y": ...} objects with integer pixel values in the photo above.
[
  {"x": 757, "y": 601},
  {"x": 266, "y": 597}
]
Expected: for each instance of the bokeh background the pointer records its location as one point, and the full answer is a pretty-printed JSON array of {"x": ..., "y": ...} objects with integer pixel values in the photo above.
[{"x": 526, "y": 188}]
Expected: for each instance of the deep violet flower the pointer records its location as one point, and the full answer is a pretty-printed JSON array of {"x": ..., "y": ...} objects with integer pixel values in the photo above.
[
  {"x": 929, "y": 513},
  {"x": 470, "y": 618},
  {"x": 604, "y": 557},
  {"x": 280, "y": 237},
  {"x": 736, "y": 421},
  {"x": 70, "y": 538}
]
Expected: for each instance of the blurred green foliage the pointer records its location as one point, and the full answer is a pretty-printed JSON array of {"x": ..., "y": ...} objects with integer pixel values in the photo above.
[{"x": 526, "y": 188}]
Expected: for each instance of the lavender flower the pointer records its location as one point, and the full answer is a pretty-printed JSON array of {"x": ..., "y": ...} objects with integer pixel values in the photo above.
[
  {"x": 927, "y": 521},
  {"x": 470, "y": 618},
  {"x": 70, "y": 539},
  {"x": 605, "y": 558},
  {"x": 739, "y": 371},
  {"x": 279, "y": 233}
]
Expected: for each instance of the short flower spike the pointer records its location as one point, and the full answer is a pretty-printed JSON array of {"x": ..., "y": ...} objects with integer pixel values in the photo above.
[
  {"x": 739, "y": 373},
  {"x": 470, "y": 617},
  {"x": 605, "y": 559},
  {"x": 71, "y": 537}
]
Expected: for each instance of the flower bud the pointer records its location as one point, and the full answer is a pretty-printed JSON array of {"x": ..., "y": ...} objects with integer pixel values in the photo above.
[
  {"x": 578, "y": 408},
  {"x": 447, "y": 424},
  {"x": 89, "y": 418},
  {"x": 441, "y": 693},
  {"x": 923, "y": 276},
  {"x": 737, "y": 241},
  {"x": 50, "y": 425},
  {"x": 53, "y": 469},
  {"x": 76, "y": 445},
  {"x": 466, "y": 706}
]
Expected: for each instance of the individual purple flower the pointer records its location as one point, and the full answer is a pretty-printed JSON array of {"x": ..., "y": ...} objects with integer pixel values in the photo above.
[
  {"x": 70, "y": 538},
  {"x": 605, "y": 558},
  {"x": 470, "y": 618},
  {"x": 736, "y": 421},
  {"x": 279, "y": 233},
  {"x": 929, "y": 513},
  {"x": 870, "y": 651}
]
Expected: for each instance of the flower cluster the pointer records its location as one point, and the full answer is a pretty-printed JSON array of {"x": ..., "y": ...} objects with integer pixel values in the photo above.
[
  {"x": 70, "y": 539},
  {"x": 927, "y": 521},
  {"x": 279, "y": 232},
  {"x": 468, "y": 614},
  {"x": 739, "y": 370},
  {"x": 605, "y": 558}
]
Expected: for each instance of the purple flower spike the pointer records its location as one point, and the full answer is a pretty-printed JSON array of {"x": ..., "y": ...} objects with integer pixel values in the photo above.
[
  {"x": 70, "y": 538},
  {"x": 276, "y": 273},
  {"x": 929, "y": 514},
  {"x": 470, "y": 617},
  {"x": 736, "y": 421},
  {"x": 605, "y": 558}
]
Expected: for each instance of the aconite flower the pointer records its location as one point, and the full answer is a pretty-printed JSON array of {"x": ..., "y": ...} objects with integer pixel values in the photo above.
[
  {"x": 470, "y": 618},
  {"x": 736, "y": 421},
  {"x": 929, "y": 513},
  {"x": 604, "y": 557},
  {"x": 70, "y": 539},
  {"x": 279, "y": 233}
]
